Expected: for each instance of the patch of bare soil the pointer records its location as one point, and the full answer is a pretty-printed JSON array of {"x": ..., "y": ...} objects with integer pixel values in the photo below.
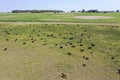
[
  {"x": 93, "y": 17},
  {"x": 51, "y": 19}
]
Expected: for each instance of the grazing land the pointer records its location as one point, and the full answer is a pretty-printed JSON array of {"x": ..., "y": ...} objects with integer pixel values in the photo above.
[
  {"x": 61, "y": 17},
  {"x": 59, "y": 47}
]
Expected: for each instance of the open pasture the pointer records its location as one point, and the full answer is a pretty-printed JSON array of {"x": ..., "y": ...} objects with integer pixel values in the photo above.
[
  {"x": 58, "y": 51},
  {"x": 61, "y": 17}
]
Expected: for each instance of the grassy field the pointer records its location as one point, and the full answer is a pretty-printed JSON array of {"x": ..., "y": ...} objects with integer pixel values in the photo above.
[
  {"x": 44, "y": 51},
  {"x": 62, "y": 17}
]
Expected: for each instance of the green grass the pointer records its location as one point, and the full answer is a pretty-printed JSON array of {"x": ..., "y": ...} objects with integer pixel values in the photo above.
[
  {"x": 41, "y": 59},
  {"x": 62, "y": 17}
]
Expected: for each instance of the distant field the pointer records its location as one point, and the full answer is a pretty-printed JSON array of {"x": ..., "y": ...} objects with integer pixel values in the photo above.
[
  {"x": 44, "y": 51},
  {"x": 62, "y": 17}
]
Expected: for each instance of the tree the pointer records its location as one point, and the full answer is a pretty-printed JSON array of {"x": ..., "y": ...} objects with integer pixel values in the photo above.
[
  {"x": 93, "y": 11},
  {"x": 117, "y": 11},
  {"x": 83, "y": 10},
  {"x": 79, "y": 11},
  {"x": 73, "y": 11}
]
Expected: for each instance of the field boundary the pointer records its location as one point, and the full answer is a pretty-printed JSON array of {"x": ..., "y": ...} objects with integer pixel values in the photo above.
[{"x": 70, "y": 23}]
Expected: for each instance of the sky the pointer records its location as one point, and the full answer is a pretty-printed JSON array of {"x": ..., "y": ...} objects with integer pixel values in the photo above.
[{"x": 66, "y": 5}]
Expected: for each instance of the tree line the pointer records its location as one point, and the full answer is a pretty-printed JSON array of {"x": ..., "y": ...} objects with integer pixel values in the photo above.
[
  {"x": 58, "y": 11},
  {"x": 36, "y": 11},
  {"x": 93, "y": 11}
]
